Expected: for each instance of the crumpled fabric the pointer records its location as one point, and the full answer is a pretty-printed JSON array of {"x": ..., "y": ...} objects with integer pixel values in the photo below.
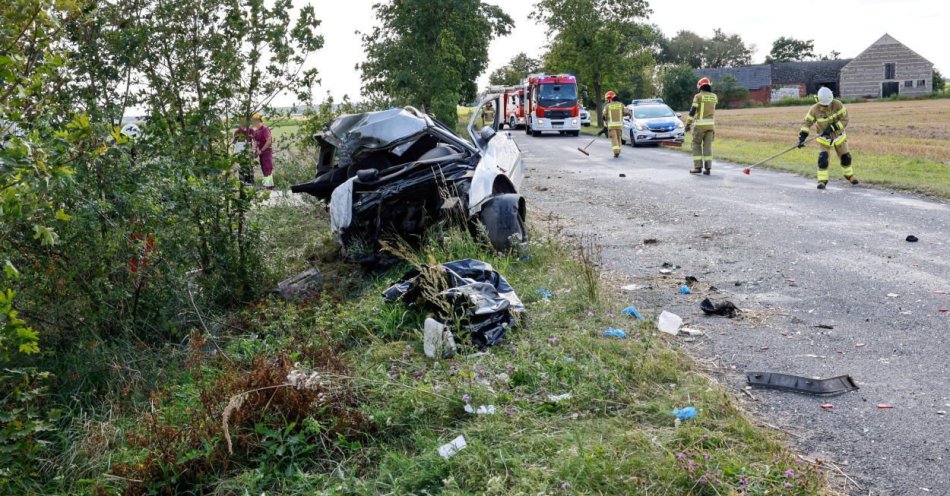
[{"x": 467, "y": 291}]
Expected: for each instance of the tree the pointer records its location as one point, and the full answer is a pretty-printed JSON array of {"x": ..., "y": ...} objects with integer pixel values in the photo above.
[
  {"x": 729, "y": 91},
  {"x": 938, "y": 84},
  {"x": 677, "y": 85},
  {"x": 428, "y": 53},
  {"x": 791, "y": 50},
  {"x": 686, "y": 48},
  {"x": 515, "y": 71},
  {"x": 727, "y": 50},
  {"x": 599, "y": 41}
]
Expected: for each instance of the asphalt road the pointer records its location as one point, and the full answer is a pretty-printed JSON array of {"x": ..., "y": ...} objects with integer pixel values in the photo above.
[{"x": 794, "y": 258}]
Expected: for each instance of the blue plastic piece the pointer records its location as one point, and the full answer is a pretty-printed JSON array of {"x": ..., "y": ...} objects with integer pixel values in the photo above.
[
  {"x": 684, "y": 289},
  {"x": 684, "y": 413},
  {"x": 545, "y": 293},
  {"x": 633, "y": 312},
  {"x": 615, "y": 333}
]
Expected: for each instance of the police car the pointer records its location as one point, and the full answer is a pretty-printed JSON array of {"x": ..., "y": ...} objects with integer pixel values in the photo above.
[
  {"x": 585, "y": 117},
  {"x": 651, "y": 121}
]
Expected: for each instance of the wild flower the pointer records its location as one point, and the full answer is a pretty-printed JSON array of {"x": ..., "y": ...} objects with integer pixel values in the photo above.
[{"x": 466, "y": 398}]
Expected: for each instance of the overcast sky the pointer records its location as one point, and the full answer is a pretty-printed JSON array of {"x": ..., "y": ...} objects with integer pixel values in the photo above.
[{"x": 847, "y": 26}]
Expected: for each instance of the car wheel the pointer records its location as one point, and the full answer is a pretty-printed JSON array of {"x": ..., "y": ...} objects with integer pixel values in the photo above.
[
  {"x": 503, "y": 218},
  {"x": 512, "y": 123},
  {"x": 633, "y": 139}
]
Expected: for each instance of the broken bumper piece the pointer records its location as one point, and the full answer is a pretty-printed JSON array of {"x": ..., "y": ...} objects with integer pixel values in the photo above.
[{"x": 818, "y": 387}]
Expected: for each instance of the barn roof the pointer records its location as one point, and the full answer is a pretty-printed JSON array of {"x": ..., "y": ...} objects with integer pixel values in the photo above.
[
  {"x": 807, "y": 72},
  {"x": 751, "y": 77}
]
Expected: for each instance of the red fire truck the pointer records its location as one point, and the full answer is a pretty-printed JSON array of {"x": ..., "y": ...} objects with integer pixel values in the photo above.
[
  {"x": 551, "y": 104},
  {"x": 514, "y": 107}
]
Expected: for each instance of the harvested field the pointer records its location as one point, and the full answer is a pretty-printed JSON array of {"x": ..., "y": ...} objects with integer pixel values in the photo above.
[{"x": 915, "y": 129}]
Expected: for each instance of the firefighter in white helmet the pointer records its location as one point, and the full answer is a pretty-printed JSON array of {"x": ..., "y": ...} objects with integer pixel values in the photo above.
[
  {"x": 829, "y": 117},
  {"x": 701, "y": 121}
]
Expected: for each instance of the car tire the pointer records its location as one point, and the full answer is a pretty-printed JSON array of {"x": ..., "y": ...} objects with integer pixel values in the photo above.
[
  {"x": 633, "y": 139},
  {"x": 512, "y": 123},
  {"x": 535, "y": 133},
  {"x": 574, "y": 133},
  {"x": 503, "y": 218}
]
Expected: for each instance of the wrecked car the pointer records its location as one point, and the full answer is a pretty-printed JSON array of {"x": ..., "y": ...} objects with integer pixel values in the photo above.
[{"x": 399, "y": 171}]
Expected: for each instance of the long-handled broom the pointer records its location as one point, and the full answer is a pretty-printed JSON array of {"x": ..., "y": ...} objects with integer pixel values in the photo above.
[
  {"x": 584, "y": 150},
  {"x": 748, "y": 169}
]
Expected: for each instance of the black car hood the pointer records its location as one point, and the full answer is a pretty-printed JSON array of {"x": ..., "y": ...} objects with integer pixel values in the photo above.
[{"x": 356, "y": 134}]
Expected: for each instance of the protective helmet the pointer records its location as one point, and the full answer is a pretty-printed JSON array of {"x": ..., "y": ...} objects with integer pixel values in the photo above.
[
  {"x": 703, "y": 82},
  {"x": 256, "y": 117},
  {"x": 610, "y": 95},
  {"x": 130, "y": 131},
  {"x": 825, "y": 96}
]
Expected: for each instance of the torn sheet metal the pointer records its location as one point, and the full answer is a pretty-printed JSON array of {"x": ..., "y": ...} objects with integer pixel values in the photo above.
[
  {"x": 798, "y": 384},
  {"x": 467, "y": 291}
]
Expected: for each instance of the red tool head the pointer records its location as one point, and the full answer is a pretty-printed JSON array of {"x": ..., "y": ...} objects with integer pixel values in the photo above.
[
  {"x": 746, "y": 171},
  {"x": 583, "y": 151}
]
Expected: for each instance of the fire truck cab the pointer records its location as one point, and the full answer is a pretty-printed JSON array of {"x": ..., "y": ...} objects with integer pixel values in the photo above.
[
  {"x": 514, "y": 107},
  {"x": 551, "y": 104}
]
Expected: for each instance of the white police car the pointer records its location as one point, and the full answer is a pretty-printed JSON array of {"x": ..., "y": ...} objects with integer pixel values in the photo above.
[
  {"x": 651, "y": 121},
  {"x": 585, "y": 117}
]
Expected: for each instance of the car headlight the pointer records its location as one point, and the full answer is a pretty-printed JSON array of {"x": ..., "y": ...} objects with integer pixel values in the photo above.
[
  {"x": 540, "y": 122},
  {"x": 641, "y": 127},
  {"x": 573, "y": 122},
  {"x": 680, "y": 125}
]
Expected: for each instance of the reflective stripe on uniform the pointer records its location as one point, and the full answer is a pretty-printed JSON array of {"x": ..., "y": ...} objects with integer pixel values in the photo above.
[
  {"x": 840, "y": 139},
  {"x": 614, "y": 115},
  {"x": 805, "y": 129},
  {"x": 700, "y": 122},
  {"x": 697, "y": 157},
  {"x": 847, "y": 171},
  {"x": 834, "y": 116},
  {"x": 809, "y": 117},
  {"x": 822, "y": 174}
]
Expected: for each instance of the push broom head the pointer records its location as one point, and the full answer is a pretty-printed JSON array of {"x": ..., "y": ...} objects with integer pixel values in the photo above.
[
  {"x": 583, "y": 151},
  {"x": 746, "y": 171}
]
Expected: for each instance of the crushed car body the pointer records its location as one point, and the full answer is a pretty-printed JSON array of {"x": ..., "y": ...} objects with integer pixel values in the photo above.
[{"x": 399, "y": 171}]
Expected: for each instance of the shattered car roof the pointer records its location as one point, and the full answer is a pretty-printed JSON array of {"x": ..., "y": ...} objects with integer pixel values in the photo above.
[{"x": 370, "y": 131}]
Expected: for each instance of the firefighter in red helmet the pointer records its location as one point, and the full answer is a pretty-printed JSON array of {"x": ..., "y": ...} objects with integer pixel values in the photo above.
[
  {"x": 700, "y": 120},
  {"x": 613, "y": 119}
]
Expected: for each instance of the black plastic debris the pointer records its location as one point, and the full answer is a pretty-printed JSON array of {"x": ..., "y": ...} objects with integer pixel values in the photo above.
[
  {"x": 786, "y": 382},
  {"x": 912, "y": 239},
  {"x": 724, "y": 309},
  {"x": 690, "y": 280},
  {"x": 468, "y": 293},
  {"x": 302, "y": 285}
]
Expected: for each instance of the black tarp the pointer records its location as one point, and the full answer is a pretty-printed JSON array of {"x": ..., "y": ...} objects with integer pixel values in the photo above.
[{"x": 469, "y": 292}]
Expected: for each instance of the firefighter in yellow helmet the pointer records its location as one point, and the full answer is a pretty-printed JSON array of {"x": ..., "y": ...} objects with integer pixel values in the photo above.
[
  {"x": 700, "y": 120},
  {"x": 613, "y": 118},
  {"x": 829, "y": 118}
]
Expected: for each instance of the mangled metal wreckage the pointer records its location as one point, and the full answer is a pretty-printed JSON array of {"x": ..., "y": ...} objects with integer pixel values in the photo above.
[{"x": 400, "y": 171}]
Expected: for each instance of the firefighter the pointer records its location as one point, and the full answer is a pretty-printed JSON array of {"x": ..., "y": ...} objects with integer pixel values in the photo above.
[
  {"x": 829, "y": 118},
  {"x": 700, "y": 120},
  {"x": 488, "y": 116},
  {"x": 613, "y": 118}
]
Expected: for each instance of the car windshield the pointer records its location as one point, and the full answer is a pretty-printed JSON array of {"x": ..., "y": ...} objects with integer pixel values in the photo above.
[
  {"x": 652, "y": 112},
  {"x": 557, "y": 95}
]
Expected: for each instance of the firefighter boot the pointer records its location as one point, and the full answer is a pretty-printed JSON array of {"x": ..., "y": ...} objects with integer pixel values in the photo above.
[
  {"x": 708, "y": 168},
  {"x": 853, "y": 180},
  {"x": 822, "y": 184}
]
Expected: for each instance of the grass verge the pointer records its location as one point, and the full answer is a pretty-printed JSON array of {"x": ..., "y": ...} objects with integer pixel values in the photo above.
[{"x": 373, "y": 410}]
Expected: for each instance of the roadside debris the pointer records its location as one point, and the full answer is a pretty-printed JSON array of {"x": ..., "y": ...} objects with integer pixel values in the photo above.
[
  {"x": 798, "y": 384},
  {"x": 481, "y": 410},
  {"x": 544, "y": 293},
  {"x": 859, "y": 345},
  {"x": 302, "y": 285},
  {"x": 669, "y": 322},
  {"x": 912, "y": 239},
  {"x": 630, "y": 287},
  {"x": 827, "y": 406},
  {"x": 824, "y": 326},
  {"x": 437, "y": 340},
  {"x": 724, "y": 309},
  {"x": 556, "y": 398},
  {"x": 691, "y": 332},
  {"x": 623, "y": 175},
  {"x": 401, "y": 171},
  {"x": 685, "y": 413},
  {"x": 452, "y": 448},
  {"x": 690, "y": 280},
  {"x": 467, "y": 291},
  {"x": 615, "y": 333},
  {"x": 650, "y": 241},
  {"x": 884, "y": 406},
  {"x": 684, "y": 290},
  {"x": 892, "y": 295},
  {"x": 633, "y": 312}
]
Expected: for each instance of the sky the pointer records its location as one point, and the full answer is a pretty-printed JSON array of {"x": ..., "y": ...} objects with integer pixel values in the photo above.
[{"x": 848, "y": 26}]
